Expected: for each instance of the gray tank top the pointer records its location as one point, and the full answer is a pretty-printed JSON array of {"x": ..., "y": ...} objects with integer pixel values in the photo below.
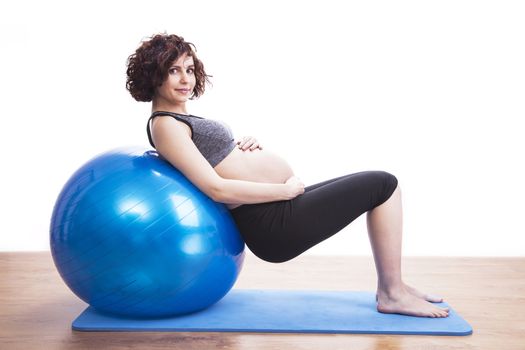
[{"x": 213, "y": 139}]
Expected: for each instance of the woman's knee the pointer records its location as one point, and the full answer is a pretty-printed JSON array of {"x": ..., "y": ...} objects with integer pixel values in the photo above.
[{"x": 389, "y": 184}]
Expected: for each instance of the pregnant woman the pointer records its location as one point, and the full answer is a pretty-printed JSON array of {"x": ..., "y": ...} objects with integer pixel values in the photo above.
[{"x": 277, "y": 216}]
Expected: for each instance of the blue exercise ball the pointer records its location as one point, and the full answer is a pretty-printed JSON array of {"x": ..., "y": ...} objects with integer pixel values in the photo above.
[{"x": 131, "y": 236}]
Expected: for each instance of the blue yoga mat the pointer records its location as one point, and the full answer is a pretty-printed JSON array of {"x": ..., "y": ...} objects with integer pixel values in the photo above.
[{"x": 285, "y": 311}]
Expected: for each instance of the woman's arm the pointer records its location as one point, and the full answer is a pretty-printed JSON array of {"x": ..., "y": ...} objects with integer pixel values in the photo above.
[
  {"x": 232, "y": 191},
  {"x": 175, "y": 145}
]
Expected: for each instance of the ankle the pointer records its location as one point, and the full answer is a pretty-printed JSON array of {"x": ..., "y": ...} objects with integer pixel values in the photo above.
[{"x": 391, "y": 291}]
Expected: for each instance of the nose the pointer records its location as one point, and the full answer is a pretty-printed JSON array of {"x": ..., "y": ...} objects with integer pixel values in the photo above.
[{"x": 184, "y": 77}]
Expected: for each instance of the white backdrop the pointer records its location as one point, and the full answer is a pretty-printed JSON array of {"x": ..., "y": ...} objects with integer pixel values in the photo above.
[{"x": 429, "y": 91}]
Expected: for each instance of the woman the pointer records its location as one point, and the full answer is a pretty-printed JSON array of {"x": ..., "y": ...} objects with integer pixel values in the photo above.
[{"x": 277, "y": 216}]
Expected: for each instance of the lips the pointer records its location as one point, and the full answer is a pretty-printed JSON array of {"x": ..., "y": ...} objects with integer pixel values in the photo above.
[{"x": 182, "y": 91}]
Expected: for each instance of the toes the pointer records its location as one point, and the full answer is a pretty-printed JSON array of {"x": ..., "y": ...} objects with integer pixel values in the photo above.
[
  {"x": 443, "y": 313},
  {"x": 433, "y": 298},
  {"x": 428, "y": 297}
]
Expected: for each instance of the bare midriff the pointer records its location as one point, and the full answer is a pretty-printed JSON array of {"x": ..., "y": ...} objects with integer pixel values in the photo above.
[{"x": 258, "y": 165}]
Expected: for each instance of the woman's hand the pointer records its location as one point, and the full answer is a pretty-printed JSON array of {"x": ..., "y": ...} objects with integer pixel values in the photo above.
[
  {"x": 248, "y": 142},
  {"x": 295, "y": 187}
]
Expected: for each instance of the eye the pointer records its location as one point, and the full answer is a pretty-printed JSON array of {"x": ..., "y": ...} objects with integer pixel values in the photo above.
[
  {"x": 190, "y": 71},
  {"x": 172, "y": 70}
]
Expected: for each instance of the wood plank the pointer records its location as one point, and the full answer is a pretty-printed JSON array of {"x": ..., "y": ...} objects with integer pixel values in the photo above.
[{"x": 36, "y": 307}]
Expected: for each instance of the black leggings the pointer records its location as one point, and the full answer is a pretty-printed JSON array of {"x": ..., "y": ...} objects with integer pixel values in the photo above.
[{"x": 281, "y": 230}]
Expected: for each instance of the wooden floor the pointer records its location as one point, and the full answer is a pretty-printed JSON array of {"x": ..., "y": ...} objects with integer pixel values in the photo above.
[{"x": 36, "y": 308}]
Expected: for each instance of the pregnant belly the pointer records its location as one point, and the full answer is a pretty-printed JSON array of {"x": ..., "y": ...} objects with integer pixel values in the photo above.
[{"x": 257, "y": 166}]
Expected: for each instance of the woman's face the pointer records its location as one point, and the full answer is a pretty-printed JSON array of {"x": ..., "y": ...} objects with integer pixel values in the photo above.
[{"x": 178, "y": 86}]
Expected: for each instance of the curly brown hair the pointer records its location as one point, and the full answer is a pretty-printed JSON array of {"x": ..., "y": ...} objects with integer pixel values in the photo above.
[{"x": 148, "y": 66}]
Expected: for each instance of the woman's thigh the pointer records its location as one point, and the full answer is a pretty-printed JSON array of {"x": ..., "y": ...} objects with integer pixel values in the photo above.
[
  {"x": 320, "y": 184},
  {"x": 279, "y": 231}
]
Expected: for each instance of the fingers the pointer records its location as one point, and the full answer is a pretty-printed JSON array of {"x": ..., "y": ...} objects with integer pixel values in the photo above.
[{"x": 248, "y": 142}]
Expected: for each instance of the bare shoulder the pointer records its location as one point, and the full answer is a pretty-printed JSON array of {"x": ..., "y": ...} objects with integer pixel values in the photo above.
[
  {"x": 162, "y": 122},
  {"x": 173, "y": 142}
]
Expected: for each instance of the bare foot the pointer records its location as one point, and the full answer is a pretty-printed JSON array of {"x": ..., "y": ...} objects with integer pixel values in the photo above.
[
  {"x": 405, "y": 303},
  {"x": 427, "y": 297}
]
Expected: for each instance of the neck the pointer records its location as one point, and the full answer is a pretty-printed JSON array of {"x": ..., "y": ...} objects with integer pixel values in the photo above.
[{"x": 166, "y": 107}]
